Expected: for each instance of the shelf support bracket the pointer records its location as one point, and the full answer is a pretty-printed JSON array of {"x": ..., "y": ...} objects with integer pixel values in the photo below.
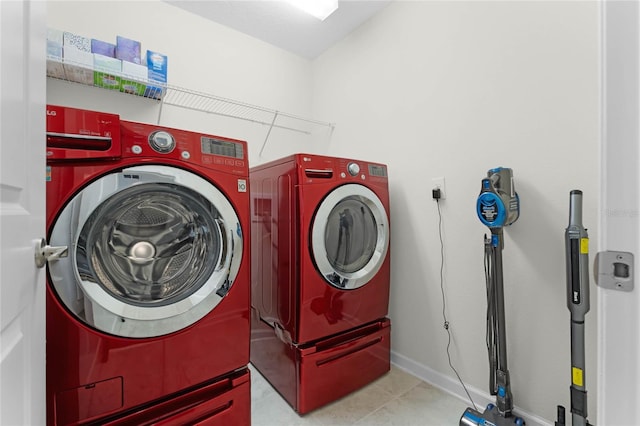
[
  {"x": 275, "y": 115},
  {"x": 160, "y": 109}
]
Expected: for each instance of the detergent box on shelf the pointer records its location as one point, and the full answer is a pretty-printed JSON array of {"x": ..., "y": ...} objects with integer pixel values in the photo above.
[
  {"x": 106, "y": 72},
  {"x": 55, "y": 36},
  {"x": 134, "y": 78},
  {"x": 103, "y": 48},
  {"x": 55, "y": 68},
  {"x": 54, "y": 54},
  {"x": 79, "y": 42},
  {"x": 78, "y": 65},
  {"x": 157, "y": 72},
  {"x": 128, "y": 50}
]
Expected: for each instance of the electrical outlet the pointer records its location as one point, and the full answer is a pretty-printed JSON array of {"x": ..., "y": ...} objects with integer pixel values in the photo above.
[{"x": 439, "y": 183}]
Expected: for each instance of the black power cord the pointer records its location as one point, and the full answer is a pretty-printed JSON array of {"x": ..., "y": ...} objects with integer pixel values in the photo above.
[{"x": 446, "y": 325}]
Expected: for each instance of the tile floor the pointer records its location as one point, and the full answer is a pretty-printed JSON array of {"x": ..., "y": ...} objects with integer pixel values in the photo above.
[{"x": 397, "y": 398}]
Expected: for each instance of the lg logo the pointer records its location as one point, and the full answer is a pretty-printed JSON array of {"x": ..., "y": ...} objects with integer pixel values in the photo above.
[{"x": 51, "y": 113}]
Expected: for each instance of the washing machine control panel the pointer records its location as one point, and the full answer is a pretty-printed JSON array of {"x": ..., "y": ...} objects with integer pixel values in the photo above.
[{"x": 214, "y": 152}]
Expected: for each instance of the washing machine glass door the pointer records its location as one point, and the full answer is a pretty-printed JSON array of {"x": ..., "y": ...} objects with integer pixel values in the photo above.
[
  {"x": 152, "y": 249},
  {"x": 350, "y": 236}
]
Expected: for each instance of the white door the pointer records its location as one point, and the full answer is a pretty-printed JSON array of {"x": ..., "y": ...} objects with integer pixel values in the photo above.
[
  {"x": 619, "y": 311},
  {"x": 22, "y": 208}
]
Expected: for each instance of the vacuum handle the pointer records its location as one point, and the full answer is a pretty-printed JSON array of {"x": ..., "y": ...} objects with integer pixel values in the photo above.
[
  {"x": 577, "y": 249},
  {"x": 577, "y": 254},
  {"x": 575, "y": 208}
]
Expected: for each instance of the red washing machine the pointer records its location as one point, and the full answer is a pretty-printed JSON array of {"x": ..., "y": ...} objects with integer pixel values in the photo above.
[
  {"x": 320, "y": 276},
  {"x": 148, "y": 317}
]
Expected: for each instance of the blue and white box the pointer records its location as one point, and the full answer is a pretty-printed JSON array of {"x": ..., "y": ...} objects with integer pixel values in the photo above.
[{"x": 157, "y": 72}]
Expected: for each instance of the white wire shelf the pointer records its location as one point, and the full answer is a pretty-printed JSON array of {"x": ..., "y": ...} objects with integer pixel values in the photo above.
[{"x": 166, "y": 94}]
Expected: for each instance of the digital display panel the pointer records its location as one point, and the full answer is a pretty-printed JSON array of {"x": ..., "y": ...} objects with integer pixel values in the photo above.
[
  {"x": 375, "y": 170},
  {"x": 220, "y": 147}
]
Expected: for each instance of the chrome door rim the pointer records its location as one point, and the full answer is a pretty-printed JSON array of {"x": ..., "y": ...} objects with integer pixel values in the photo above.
[
  {"x": 318, "y": 247},
  {"x": 95, "y": 306}
]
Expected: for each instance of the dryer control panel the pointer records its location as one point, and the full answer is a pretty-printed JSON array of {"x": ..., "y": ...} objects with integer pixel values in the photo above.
[{"x": 317, "y": 167}]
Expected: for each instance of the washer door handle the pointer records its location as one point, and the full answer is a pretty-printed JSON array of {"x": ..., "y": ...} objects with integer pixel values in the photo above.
[{"x": 45, "y": 252}]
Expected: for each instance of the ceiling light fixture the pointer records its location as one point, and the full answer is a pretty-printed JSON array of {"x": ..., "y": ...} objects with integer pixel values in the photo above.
[{"x": 321, "y": 9}]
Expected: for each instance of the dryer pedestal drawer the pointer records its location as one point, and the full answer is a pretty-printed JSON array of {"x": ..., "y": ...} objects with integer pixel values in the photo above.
[
  {"x": 225, "y": 402},
  {"x": 334, "y": 372},
  {"x": 315, "y": 375}
]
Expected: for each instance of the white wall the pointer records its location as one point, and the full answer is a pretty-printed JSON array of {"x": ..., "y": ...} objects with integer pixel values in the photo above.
[
  {"x": 203, "y": 56},
  {"x": 453, "y": 89}
]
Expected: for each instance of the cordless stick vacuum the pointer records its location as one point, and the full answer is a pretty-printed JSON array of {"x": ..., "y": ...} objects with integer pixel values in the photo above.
[
  {"x": 577, "y": 258},
  {"x": 498, "y": 206}
]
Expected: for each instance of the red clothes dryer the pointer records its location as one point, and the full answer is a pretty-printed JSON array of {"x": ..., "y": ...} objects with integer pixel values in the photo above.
[
  {"x": 320, "y": 276},
  {"x": 148, "y": 293}
]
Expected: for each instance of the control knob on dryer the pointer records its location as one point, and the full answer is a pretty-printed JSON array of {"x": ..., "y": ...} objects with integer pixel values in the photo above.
[{"x": 353, "y": 169}]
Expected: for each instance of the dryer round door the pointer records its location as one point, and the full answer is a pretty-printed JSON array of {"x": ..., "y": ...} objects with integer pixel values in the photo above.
[
  {"x": 350, "y": 236},
  {"x": 152, "y": 249}
]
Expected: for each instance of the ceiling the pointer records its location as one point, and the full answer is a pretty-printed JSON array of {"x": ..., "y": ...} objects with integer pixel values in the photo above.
[{"x": 282, "y": 25}]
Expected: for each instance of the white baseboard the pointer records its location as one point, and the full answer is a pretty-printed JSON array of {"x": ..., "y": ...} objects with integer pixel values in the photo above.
[{"x": 452, "y": 386}]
